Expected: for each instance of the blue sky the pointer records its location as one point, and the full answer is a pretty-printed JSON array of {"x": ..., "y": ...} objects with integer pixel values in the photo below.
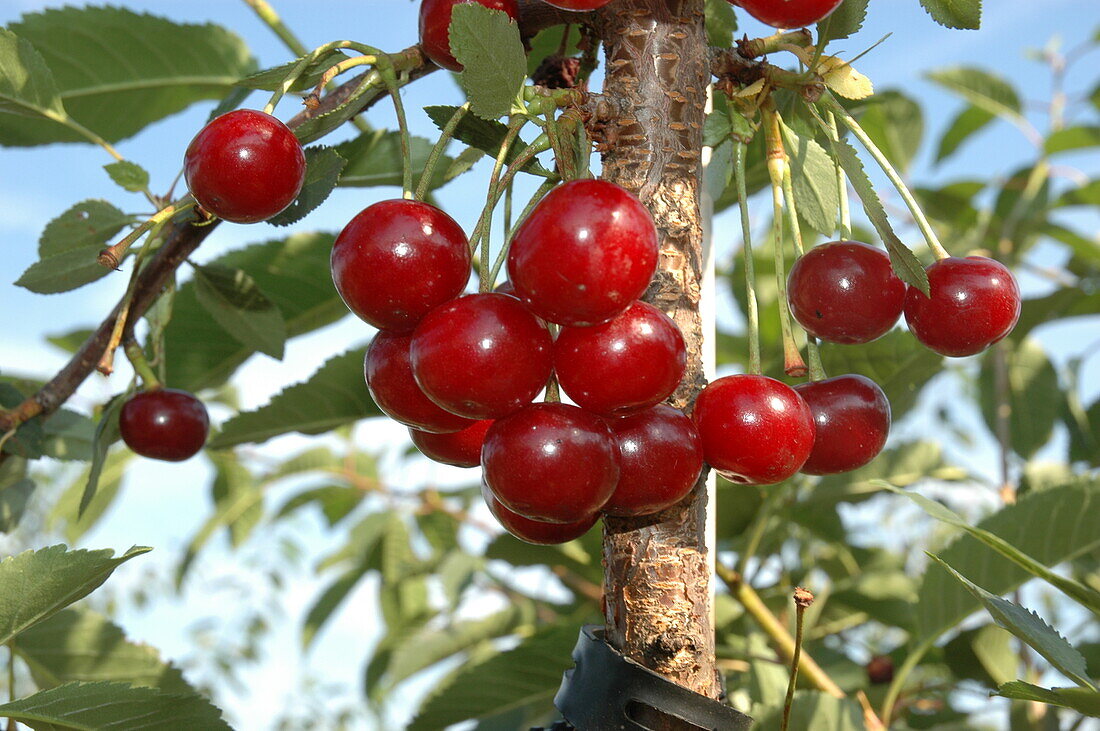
[{"x": 163, "y": 505}]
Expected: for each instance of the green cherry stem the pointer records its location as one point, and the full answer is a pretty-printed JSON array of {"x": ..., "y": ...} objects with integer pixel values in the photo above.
[
  {"x": 903, "y": 190},
  {"x": 389, "y": 78},
  {"x": 543, "y": 189},
  {"x": 752, "y": 310},
  {"x": 112, "y": 256},
  {"x": 137, "y": 359},
  {"x": 845, "y": 226},
  {"x": 496, "y": 188},
  {"x": 437, "y": 151}
]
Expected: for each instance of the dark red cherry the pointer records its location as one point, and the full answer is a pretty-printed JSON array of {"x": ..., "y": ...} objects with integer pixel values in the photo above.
[
  {"x": 577, "y": 4},
  {"x": 880, "y": 669},
  {"x": 481, "y": 356},
  {"x": 435, "y": 26},
  {"x": 584, "y": 254},
  {"x": 536, "y": 531},
  {"x": 755, "y": 430},
  {"x": 852, "y": 420},
  {"x": 845, "y": 292},
  {"x": 660, "y": 458},
  {"x": 551, "y": 462},
  {"x": 389, "y": 376},
  {"x": 397, "y": 260},
  {"x": 461, "y": 448},
  {"x": 626, "y": 364},
  {"x": 245, "y": 166},
  {"x": 975, "y": 302},
  {"x": 165, "y": 424},
  {"x": 789, "y": 13}
]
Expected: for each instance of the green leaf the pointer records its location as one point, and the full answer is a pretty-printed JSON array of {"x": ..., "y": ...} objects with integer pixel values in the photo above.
[
  {"x": 67, "y": 508},
  {"x": 333, "y": 396},
  {"x": 1052, "y": 526},
  {"x": 323, "y": 168},
  {"x": 984, "y": 654},
  {"x": 528, "y": 673},
  {"x": 295, "y": 275},
  {"x": 68, "y": 435},
  {"x": 813, "y": 177},
  {"x": 721, "y": 23},
  {"x": 814, "y": 710},
  {"x": 485, "y": 135},
  {"x": 487, "y": 44},
  {"x": 335, "y": 501},
  {"x": 96, "y": 706},
  {"x": 35, "y": 585},
  {"x": 963, "y": 14},
  {"x": 27, "y": 85},
  {"x": 15, "y": 492},
  {"x": 1030, "y": 628},
  {"x": 982, "y": 88},
  {"x": 1072, "y": 138},
  {"x": 69, "y": 245},
  {"x": 374, "y": 158},
  {"x": 895, "y": 123},
  {"x": 118, "y": 71},
  {"x": 82, "y": 645},
  {"x": 238, "y": 304},
  {"x": 128, "y": 175},
  {"x": 966, "y": 124},
  {"x": 901, "y": 465},
  {"x": 1084, "y": 195},
  {"x": 27, "y": 440},
  {"x": 1081, "y": 700},
  {"x": 1034, "y": 395},
  {"x": 106, "y": 434},
  {"x": 842, "y": 23},
  {"x": 273, "y": 78}
]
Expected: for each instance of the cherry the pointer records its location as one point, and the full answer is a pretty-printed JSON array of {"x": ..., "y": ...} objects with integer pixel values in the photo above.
[
  {"x": 626, "y": 364},
  {"x": 435, "y": 27},
  {"x": 389, "y": 376},
  {"x": 587, "y": 250},
  {"x": 660, "y": 458},
  {"x": 460, "y": 449},
  {"x": 880, "y": 669},
  {"x": 536, "y": 531},
  {"x": 975, "y": 302},
  {"x": 852, "y": 420},
  {"x": 789, "y": 13},
  {"x": 577, "y": 4},
  {"x": 245, "y": 166},
  {"x": 165, "y": 423},
  {"x": 397, "y": 260},
  {"x": 845, "y": 292},
  {"x": 551, "y": 462},
  {"x": 755, "y": 430},
  {"x": 481, "y": 356}
]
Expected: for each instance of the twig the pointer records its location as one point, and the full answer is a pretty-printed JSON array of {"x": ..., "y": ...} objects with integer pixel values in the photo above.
[{"x": 803, "y": 598}]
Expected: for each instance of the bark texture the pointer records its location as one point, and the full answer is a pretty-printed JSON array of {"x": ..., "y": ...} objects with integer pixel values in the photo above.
[{"x": 657, "y": 576}]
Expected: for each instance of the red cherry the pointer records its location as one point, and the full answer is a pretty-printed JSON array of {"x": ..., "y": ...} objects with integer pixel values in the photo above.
[
  {"x": 755, "y": 430},
  {"x": 551, "y": 462},
  {"x": 880, "y": 669},
  {"x": 481, "y": 356},
  {"x": 536, "y": 531},
  {"x": 626, "y": 364},
  {"x": 852, "y": 420},
  {"x": 461, "y": 449},
  {"x": 660, "y": 458},
  {"x": 577, "y": 4},
  {"x": 389, "y": 376},
  {"x": 165, "y": 424},
  {"x": 789, "y": 13},
  {"x": 587, "y": 250},
  {"x": 245, "y": 166},
  {"x": 975, "y": 302},
  {"x": 845, "y": 292},
  {"x": 397, "y": 260},
  {"x": 435, "y": 27}
]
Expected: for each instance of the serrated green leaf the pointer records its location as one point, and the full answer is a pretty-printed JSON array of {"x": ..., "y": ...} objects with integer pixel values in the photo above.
[
  {"x": 1081, "y": 700},
  {"x": 896, "y": 124},
  {"x": 106, "y": 434},
  {"x": 238, "y": 304},
  {"x": 813, "y": 177},
  {"x": 128, "y": 175},
  {"x": 1030, "y": 628},
  {"x": 92, "y": 52},
  {"x": 1033, "y": 395},
  {"x": 327, "y": 603},
  {"x": 487, "y": 44},
  {"x": 27, "y": 85},
  {"x": 485, "y": 135},
  {"x": 969, "y": 122},
  {"x": 843, "y": 22},
  {"x": 374, "y": 158},
  {"x": 962, "y": 14},
  {"x": 984, "y": 89},
  {"x": 323, "y": 168},
  {"x": 35, "y": 585},
  {"x": 721, "y": 23},
  {"x": 96, "y": 706},
  {"x": 1072, "y": 138},
  {"x": 333, "y": 396},
  {"x": 273, "y": 78}
]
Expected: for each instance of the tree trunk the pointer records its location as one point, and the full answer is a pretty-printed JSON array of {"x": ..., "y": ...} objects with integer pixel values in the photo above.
[{"x": 657, "y": 573}]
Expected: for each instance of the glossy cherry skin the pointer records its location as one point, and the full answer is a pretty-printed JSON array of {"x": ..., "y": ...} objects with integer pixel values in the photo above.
[
  {"x": 481, "y": 356},
  {"x": 245, "y": 166},
  {"x": 435, "y": 25},
  {"x": 852, "y": 421},
  {"x": 660, "y": 458},
  {"x": 459, "y": 449},
  {"x": 165, "y": 424},
  {"x": 536, "y": 531},
  {"x": 975, "y": 302},
  {"x": 551, "y": 462},
  {"x": 845, "y": 292},
  {"x": 577, "y": 4},
  {"x": 388, "y": 372},
  {"x": 755, "y": 430},
  {"x": 789, "y": 13},
  {"x": 584, "y": 254},
  {"x": 397, "y": 260},
  {"x": 624, "y": 365}
]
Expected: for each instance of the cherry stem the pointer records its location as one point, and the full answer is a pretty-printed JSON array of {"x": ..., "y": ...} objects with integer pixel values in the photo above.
[
  {"x": 903, "y": 190},
  {"x": 271, "y": 18},
  {"x": 543, "y": 189},
  {"x": 389, "y": 78},
  {"x": 112, "y": 256},
  {"x": 137, "y": 359},
  {"x": 752, "y": 311},
  {"x": 802, "y": 600},
  {"x": 845, "y": 225},
  {"x": 311, "y": 58},
  {"x": 496, "y": 188},
  {"x": 437, "y": 151}
]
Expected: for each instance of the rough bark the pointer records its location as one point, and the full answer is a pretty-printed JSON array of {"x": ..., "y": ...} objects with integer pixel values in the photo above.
[{"x": 657, "y": 576}]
